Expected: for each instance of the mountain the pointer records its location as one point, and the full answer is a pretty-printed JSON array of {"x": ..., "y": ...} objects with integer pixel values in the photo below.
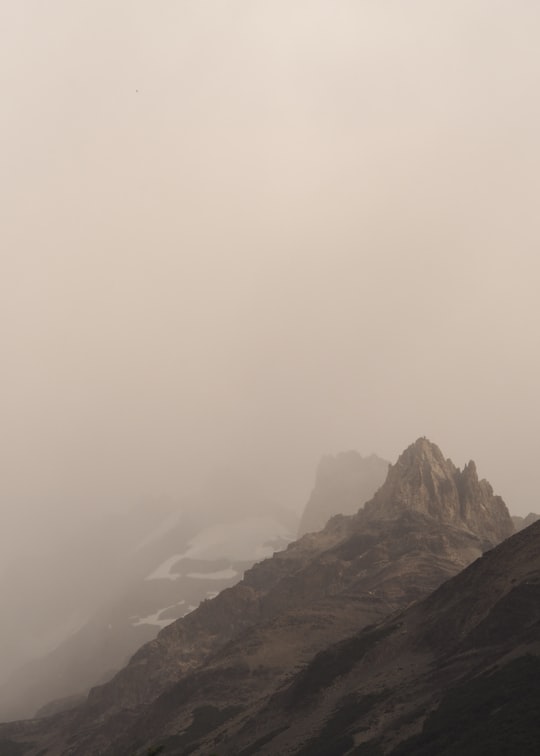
[
  {"x": 182, "y": 559},
  {"x": 524, "y": 522},
  {"x": 343, "y": 484},
  {"x": 422, "y": 480},
  {"x": 200, "y": 686},
  {"x": 457, "y": 673}
]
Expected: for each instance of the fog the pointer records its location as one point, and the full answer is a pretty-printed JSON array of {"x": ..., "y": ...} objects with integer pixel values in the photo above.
[{"x": 239, "y": 235}]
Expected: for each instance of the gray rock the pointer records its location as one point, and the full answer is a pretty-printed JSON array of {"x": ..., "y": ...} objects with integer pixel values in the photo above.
[{"x": 423, "y": 481}]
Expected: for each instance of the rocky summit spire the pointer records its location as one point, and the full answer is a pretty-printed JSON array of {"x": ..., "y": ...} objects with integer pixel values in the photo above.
[{"x": 422, "y": 480}]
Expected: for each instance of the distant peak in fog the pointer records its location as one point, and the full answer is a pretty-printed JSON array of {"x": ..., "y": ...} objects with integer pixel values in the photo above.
[{"x": 343, "y": 484}]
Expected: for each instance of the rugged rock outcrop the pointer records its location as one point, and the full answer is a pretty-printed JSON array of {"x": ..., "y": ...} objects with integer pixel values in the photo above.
[
  {"x": 422, "y": 480},
  {"x": 343, "y": 484},
  {"x": 200, "y": 683}
]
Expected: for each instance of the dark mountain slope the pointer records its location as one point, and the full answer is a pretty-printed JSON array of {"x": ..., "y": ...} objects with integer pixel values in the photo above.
[
  {"x": 197, "y": 687},
  {"x": 458, "y": 673}
]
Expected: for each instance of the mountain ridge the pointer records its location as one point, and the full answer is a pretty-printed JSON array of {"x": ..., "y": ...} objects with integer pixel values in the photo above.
[
  {"x": 449, "y": 641},
  {"x": 244, "y": 644}
]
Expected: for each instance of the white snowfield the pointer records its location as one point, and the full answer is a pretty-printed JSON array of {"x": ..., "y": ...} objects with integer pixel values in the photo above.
[
  {"x": 247, "y": 540},
  {"x": 227, "y": 574},
  {"x": 163, "y": 572},
  {"x": 153, "y": 619}
]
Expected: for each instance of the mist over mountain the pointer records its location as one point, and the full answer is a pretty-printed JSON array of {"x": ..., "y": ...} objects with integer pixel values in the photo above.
[
  {"x": 249, "y": 236},
  {"x": 523, "y": 522},
  {"x": 198, "y": 686},
  {"x": 156, "y": 563},
  {"x": 343, "y": 484},
  {"x": 239, "y": 238}
]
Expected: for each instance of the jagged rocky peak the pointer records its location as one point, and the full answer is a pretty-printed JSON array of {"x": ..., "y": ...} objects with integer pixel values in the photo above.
[
  {"x": 422, "y": 480},
  {"x": 343, "y": 484}
]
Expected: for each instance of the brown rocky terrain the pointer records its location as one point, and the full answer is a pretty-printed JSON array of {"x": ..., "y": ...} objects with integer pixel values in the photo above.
[
  {"x": 198, "y": 687},
  {"x": 456, "y": 673},
  {"x": 422, "y": 480}
]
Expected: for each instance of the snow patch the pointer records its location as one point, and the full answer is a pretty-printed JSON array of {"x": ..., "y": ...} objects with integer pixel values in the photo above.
[
  {"x": 163, "y": 572},
  {"x": 239, "y": 541},
  {"x": 153, "y": 619},
  {"x": 247, "y": 540},
  {"x": 226, "y": 574}
]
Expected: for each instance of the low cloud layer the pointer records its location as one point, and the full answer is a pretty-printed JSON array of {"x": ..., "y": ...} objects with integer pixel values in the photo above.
[{"x": 241, "y": 235}]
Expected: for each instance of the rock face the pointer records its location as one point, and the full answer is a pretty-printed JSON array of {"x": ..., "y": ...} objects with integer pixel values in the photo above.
[
  {"x": 202, "y": 684},
  {"x": 523, "y": 522},
  {"x": 342, "y": 486},
  {"x": 422, "y": 480}
]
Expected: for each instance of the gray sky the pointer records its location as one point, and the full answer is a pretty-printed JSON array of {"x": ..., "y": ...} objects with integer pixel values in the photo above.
[{"x": 247, "y": 233}]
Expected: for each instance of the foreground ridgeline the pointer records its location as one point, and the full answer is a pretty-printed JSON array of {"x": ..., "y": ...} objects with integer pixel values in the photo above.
[{"x": 342, "y": 643}]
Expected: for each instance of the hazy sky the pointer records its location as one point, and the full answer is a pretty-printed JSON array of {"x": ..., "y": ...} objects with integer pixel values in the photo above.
[{"x": 249, "y": 232}]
